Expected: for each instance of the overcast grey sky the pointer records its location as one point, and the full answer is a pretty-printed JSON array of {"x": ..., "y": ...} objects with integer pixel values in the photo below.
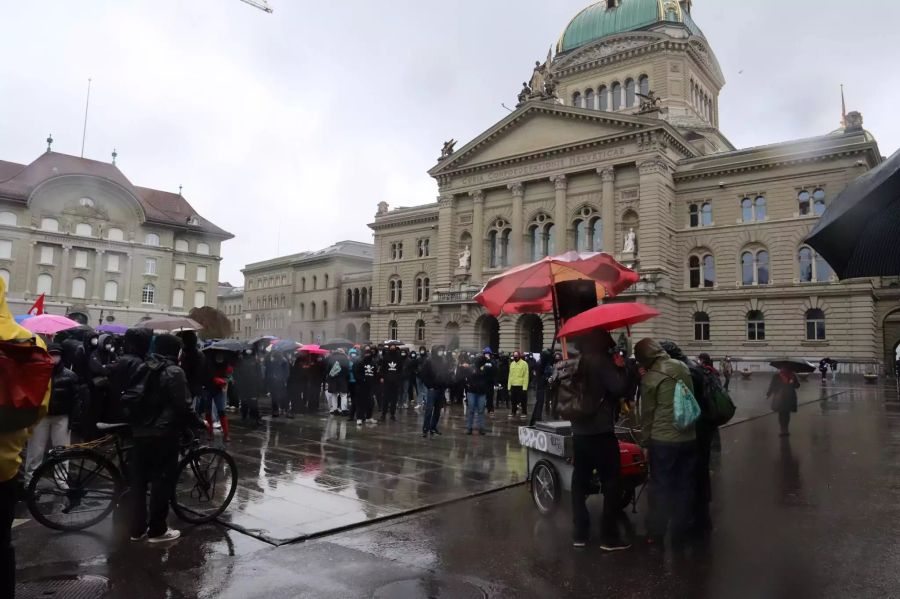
[{"x": 294, "y": 125}]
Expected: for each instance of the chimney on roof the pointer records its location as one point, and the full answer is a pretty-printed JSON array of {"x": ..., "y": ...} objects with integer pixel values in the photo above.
[
  {"x": 49, "y": 141},
  {"x": 179, "y": 189},
  {"x": 114, "y": 155}
]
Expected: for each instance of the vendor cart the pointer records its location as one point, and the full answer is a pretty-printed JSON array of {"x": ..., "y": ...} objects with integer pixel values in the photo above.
[{"x": 549, "y": 459}]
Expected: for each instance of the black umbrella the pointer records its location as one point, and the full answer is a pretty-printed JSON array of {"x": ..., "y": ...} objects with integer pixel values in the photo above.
[
  {"x": 338, "y": 344},
  {"x": 285, "y": 346},
  {"x": 227, "y": 345},
  {"x": 793, "y": 364},
  {"x": 859, "y": 234}
]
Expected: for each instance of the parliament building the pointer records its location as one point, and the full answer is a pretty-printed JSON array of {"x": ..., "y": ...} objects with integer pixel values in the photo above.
[{"x": 615, "y": 146}]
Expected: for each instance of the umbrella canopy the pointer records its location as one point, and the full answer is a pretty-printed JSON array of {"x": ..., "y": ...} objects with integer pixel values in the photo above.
[
  {"x": 393, "y": 342},
  {"x": 49, "y": 324},
  {"x": 608, "y": 317},
  {"x": 22, "y": 318},
  {"x": 859, "y": 232},
  {"x": 338, "y": 344},
  {"x": 314, "y": 350},
  {"x": 285, "y": 346},
  {"x": 227, "y": 345},
  {"x": 80, "y": 333},
  {"x": 528, "y": 289},
  {"x": 115, "y": 329},
  {"x": 793, "y": 364},
  {"x": 172, "y": 324}
]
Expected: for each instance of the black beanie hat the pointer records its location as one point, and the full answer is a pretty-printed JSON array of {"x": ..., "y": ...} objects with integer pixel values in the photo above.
[{"x": 168, "y": 345}]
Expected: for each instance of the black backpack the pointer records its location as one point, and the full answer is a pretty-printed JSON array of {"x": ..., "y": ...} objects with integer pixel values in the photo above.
[
  {"x": 138, "y": 396},
  {"x": 716, "y": 406},
  {"x": 567, "y": 391}
]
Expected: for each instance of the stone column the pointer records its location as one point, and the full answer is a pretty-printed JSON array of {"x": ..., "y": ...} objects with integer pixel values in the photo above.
[
  {"x": 63, "y": 289},
  {"x": 447, "y": 242},
  {"x": 98, "y": 274},
  {"x": 477, "y": 235},
  {"x": 517, "y": 239},
  {"x": 655, "y": 221},
  {"x": 608, "y": 212},
  {"x": 561, "y": 214}
]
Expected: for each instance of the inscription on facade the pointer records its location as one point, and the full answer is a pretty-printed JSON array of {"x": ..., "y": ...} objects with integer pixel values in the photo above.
[
  {"x": 465, "y": 219},
  {"x": 526, "y": 170}
]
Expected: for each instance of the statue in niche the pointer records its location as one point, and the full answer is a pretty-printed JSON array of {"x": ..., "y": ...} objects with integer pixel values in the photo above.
[
  {"x": 465, "y": 258},
  {"x": 630, "y": 241}
]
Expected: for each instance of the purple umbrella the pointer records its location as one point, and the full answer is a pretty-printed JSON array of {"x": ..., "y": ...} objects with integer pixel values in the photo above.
[{"x": 115, "y": 329}]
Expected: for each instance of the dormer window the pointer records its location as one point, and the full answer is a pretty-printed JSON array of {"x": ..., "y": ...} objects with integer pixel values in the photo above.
[
  {"x": 86, "y": 203},
  {"x": 611, "y": 4},
  {"x": 193, "y": 221}
]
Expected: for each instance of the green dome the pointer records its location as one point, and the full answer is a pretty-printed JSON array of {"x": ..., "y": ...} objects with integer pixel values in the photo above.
[{"x": 598, "y": 20}]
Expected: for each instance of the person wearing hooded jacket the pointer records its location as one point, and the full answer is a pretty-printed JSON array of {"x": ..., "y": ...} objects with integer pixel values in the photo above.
[
  {"x": 671, "y": 452},
  {"x": 123, "y": 372},
  {"x": 366, "y": 375},
  {"x": 517, "y": 384},
  {"x": 437, "y": 375},
  {"x": 158, "y": 418},
  {"x": 11, "y": 445},
  {"x": 391, "y": 379},
  {"x": 337, "y": 383}
]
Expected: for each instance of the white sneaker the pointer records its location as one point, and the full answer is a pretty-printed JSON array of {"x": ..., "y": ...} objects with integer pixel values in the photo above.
[
  {"x": 169, "y": 535},
  {"x": 372, "y": 421},
  {"x": 359, "y": 423},
  {"x": 140, "y": 538}
]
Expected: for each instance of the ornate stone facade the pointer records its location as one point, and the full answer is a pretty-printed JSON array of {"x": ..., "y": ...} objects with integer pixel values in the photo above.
[{"x": 717, "y": 232}]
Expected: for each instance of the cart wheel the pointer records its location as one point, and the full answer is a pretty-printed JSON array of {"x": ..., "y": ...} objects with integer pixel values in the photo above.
[{"x": 545, "y": 489}]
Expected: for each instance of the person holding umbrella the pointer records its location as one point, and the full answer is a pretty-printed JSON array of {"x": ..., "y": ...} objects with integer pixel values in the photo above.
[{"x": 783, "y": 390}]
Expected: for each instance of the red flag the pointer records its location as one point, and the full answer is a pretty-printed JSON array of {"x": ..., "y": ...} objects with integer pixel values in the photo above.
[{"x": 38, "y": 307}]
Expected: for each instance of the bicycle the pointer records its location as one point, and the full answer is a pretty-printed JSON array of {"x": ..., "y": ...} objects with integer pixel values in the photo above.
[{"x": 79, "y": 485}]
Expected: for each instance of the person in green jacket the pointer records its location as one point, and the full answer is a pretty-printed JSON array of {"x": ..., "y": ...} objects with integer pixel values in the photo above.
[
  {"x": 672, "y": 453},
  {"x": 518, "y": 385}
]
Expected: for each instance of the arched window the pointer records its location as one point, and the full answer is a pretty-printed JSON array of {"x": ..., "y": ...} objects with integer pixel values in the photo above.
[
  {"x": 762, "y": 267},
  {"x": 760, "y": 208},
  {"x": 694, "y": 212},
  {"x": 420, "y": 331},
  {"x": 706, "y": 214},
  {"x": 756, "y": 326},
  {"x": 8, "y": 218},
  {"x": 203, "y": 249},
  {"x": 629, "y": 93},
  {"x": 151, "y": 239},
  {"x": 199, "y": 299},
  {"x": 44, "y": 284},
  {"x": 326, "y": 282},
  {"x": 709, "y": 271},
  {"x": 325, "y": 310},
  {"x": 534, "y": 238},
  {"x": 819, "y": 202},
  {"x": 701, "y": 326},
  {"x": 364, "y": 298},
  {"x": 392, "y": 330},
  {"x": 803, "y": 203},
  {"x": 357, "y": 303},
  {"x": 589, "y": 99},
  {"x": 84, "y": 230},
  {"x": 815, "y": 325},
  {"x": 747, "y": 210},
  {"x": 312, "y": 310},
  {"x": 755, "y": 268},
  {"x": 148, "y": 294},
  {"x": 549, "y": 239},
  {"x": 423, "y": 289},
  {"x": 603, "y": 97},
  {"x": 644, "y": 84},
  {"x": 303, "y": 284},
  {"x": 4, "y": 274},
  {"x": 302, "y": 311},
  {"x": 181, "y": 245},
  {"x": 494, "y": 245},
  {"x": 576, "y": 99},
  {"x": 50, "y": 224},
  {"x": 616, "y": 95},
  {"x": 597, "y": 235},
  {"x": 813, "y": 267},
  {"x": 349, "y": 304},
  {"x": 702, "y": 271},
  {"x": 581, "y": 236},
  {"x": 79, "y": 287},
  {"x": 395, "y": 291},
  {"x": 315, "y": 282}
]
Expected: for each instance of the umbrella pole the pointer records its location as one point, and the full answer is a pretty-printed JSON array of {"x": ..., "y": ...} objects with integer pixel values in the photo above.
[{"x": 556, "y": 322}]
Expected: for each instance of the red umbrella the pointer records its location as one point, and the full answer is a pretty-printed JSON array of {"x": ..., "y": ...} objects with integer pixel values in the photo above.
[
  {"x": 608, "y": 317},
  {"x": 313, "y": 349},
  {"x": 528, "y": 289}
]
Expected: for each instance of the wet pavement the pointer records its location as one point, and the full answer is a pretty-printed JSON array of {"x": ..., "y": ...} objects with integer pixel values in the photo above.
[{"x": 815, "y": 515}]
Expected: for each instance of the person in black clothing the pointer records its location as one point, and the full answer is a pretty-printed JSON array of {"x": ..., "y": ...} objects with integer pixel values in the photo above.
[
  {"x": 410, "y": 365},
  {"x": 595, "y": 445},
  {"x": 248, "y": 380},
  {"x": 194, "y": 365},
  {"x": 160, "y": 415},
  {"x": 366, "y": 373},
  {"x": 542, "y": 372},
  {"x": 478, "y": 376},
  {"x": 502, "y": 378},
  {"x": 137, "y": 344},
  {"x": 391, "y": 377},
  {"x": 437, "y": 375}
]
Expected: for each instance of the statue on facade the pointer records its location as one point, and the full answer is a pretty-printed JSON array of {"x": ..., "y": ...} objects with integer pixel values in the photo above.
[
  {"x": 448, "y": 149},
  {"x": 537, "y": 76},
  {"x": 649, "y": 101},
  {"x": 525, "y": 94},
  {"x": 630, "y": 241},
  {"x": 382, "y": 209},
  {"x": 465, "y": 258}
]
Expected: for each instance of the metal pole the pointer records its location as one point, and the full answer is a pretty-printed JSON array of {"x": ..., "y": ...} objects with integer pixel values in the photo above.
[{"x": 86, "y": 106}]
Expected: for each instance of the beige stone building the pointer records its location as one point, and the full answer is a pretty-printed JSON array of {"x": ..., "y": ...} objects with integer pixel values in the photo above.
[
  {"x": 310, "y": 297},
  {"x": 615, "y": 147},
  {"x": 99, "y": 246},
  {"x": 230, "y": 302}
]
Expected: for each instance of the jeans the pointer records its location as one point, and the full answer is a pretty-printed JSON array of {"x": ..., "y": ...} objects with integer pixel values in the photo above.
[
  {"x": 7, "y": 553},
  {"x": 519, "y": 396},
  {"x": 52, "y": 429},
  {"x": 154, "y": 463},
  {"x": 600, "y": 453},
  {"x": 475, "y": 411},
  {"x": 671, "y": 490},
  {"x": 363, "y": 402},
  {"x": 433, "y": 405},
  {"x": 421, "y": 392}
]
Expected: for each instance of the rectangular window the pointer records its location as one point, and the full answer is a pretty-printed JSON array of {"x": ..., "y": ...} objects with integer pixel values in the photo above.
[
  {"x": 81, "y": 257},
  {"x": 178, "y": 298},
  {"x": 46, "y": 254},
  {"x": 5, "y": 249},
  {"x": 180, "y": 272},
  {"x": 112, "y": 263},
  {"x": 150, "y": 266},
  {"x": 201, "y": 274},
  {"x": 701, "y": 331}
]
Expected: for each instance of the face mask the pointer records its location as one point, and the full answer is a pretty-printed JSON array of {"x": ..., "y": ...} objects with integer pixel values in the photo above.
[
  {"x": 515, "y": 358},
  {"x": 95, "y": 342},
  {"x": 487, "y": 356},
  {"x": 440, "y": 354}
]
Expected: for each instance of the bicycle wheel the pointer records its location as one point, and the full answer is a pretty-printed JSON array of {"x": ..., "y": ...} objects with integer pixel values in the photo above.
[
  {"x": 207, "y": 480},
  {"x": 74, "y": 490}
]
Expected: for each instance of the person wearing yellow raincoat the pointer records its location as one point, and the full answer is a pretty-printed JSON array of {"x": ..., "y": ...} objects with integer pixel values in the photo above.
[{"x": 11, "y": 445}]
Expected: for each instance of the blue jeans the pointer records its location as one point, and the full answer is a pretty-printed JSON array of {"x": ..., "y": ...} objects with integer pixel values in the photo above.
[
  {"x": 477, "y": 403},
  {"x": 670, "y": 493},
  {"x": 433, "y": 405},
  {"x": 421, "y": 391}
]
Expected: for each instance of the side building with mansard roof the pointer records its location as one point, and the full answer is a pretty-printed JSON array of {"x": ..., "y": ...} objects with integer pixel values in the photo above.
[
  {"x": 615, "y": 146},
  {"x": 100, "y": 247}
]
